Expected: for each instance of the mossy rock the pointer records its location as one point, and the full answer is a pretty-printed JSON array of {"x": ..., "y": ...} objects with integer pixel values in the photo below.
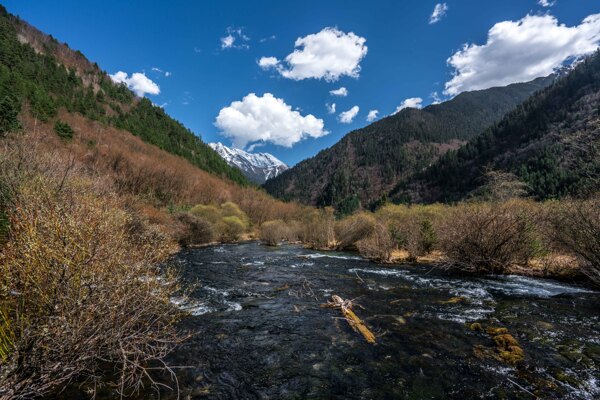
[
  {"x": 509, "y": 349},
  {"x": 476, "y": 326},
  {"x": 493, "y": 331}
]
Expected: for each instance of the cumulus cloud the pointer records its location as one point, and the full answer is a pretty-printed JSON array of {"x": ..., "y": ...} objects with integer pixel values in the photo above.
[
  {"x": 546, "y": 3},
  {"x": 341, "y": 92},
  {"x": 328, "y": 54},
  {"x": 519, "y": 51},
  {"x": 139, "y": 83},
  {"x": 439, "y": 11},
  {"x": 346, "y": 117},
  {"x": 268, "y": 62},
  {"x": 330, "y": 108},
  {"x": 372, "y": 116},
  {"x": 412, "y": 102},
  {"x": 235, "y": 39},
  {"x": 266, "y": 119}
]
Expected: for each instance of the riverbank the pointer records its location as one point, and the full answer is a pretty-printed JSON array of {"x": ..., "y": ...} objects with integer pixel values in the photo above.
[{"x": 556, "y": 239}]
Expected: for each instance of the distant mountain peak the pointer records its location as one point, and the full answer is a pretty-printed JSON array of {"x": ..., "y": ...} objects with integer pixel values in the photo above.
[{"x": 258, "y": 167}]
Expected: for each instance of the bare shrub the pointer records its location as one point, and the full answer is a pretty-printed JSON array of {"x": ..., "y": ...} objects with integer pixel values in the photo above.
[
  {"x": 378, "y": 246},
  {"x": 352, "y": 229},
  {"x": 577, "y": 230},
  {"x": 317, "y": 228},
  {"x": 195, "y": 230},
  {"x": 412, "y": 227},
  {"x": 79, "y": 293},
  {"x": 489, "y": 237},
  {"x": 274, "y": 232}
]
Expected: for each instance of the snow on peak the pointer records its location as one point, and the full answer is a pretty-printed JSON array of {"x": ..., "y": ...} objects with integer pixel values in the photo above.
[{"x": 258, "y": 167}]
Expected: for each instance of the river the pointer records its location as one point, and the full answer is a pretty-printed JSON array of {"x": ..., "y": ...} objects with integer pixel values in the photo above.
[{"x": 259, "y": 331}]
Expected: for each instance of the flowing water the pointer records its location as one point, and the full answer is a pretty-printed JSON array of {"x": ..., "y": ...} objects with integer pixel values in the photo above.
[{"x": 260, "y": 333}]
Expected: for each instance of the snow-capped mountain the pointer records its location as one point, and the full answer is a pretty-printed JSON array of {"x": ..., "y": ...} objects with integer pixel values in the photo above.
[{"x": 258, "y": 167}]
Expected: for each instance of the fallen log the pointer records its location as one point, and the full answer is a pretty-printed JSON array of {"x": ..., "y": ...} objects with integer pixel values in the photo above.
[{"x": 346, "y": 307}]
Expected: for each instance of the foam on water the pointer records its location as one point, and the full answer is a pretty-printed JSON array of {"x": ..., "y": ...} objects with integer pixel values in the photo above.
[{"x": 322, "y": 255}]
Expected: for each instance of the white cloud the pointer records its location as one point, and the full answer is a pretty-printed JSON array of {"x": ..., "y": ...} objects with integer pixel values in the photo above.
[
  {"x": 160, "y": 71},
  {"x": 412, "y": 102},
  {"x": 341, "y": 92},
  {"x": 139, "y": 83},
  {"x": 234, "y": 35},
  {"x": 372, "y": 116},
  {"x": 268, "y": 62},
  {"x": 329, "y": 54},
  {"x": 546, "y": 3},
  {"x": 347, "y": 117},
  {"x": 439, "y": 11},
  {"x": 330, "y": 108},
  {"x": 272, "y": 37},
  {"x": 266, "y": 119},
  {"x": 227, "y": 42},
  {"x": 519, "y": 51},
  {"x": 436, "y": 98}
]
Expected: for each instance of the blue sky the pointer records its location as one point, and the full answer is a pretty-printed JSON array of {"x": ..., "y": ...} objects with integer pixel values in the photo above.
[{"x": 397, "y": 51}]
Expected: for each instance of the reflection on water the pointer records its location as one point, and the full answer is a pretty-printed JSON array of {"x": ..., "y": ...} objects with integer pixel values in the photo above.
[{"x": 259, "y": 332}]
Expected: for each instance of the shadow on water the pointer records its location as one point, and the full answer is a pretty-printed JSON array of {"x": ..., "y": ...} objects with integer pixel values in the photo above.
[{"x": 259, "y": 332}]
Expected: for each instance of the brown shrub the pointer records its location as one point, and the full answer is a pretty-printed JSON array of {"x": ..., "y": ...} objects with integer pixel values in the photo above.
[
  {"x": 351, "y": 229},
  {"x": 195, "y": 230},
  {"x": 274, "y": 232},
  {"x": 79, "y": 292},
  {"x": 378, "y": 246},
  {"x": 317, "y": 228},
  {"x": 489, "y": 237},
  {"x": 577, "y": 231}
]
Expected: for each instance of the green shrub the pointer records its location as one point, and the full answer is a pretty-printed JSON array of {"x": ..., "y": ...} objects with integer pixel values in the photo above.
[
  {"x": 207, "y": 212},
  {"x": 232, "y": 228},
  {"x": 63, "y": 130}
]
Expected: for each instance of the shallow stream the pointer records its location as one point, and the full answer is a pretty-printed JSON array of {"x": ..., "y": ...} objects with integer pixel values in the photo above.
[{"x": 260, "y": 333}]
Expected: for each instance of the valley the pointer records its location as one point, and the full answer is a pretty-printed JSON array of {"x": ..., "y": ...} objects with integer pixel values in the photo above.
[{"x": 450, "y": 251}]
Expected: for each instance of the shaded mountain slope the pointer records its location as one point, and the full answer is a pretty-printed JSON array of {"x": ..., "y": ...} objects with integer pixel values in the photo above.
[
  {"x": 369, "y": 162},
  {"x": 551, "y": 142}
]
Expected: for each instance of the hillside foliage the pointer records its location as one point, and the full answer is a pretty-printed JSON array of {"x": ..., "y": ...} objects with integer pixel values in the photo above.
[
  {"x": 368, "y": 162},
  {"x": 38, "y": 79},
  {"x": 551, "y": 143}
]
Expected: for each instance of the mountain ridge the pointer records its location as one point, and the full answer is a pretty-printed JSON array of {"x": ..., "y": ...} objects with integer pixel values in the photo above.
[
  {"x": 369, "y": 162},
  {"x": 258, "y": 167},
  {"x": 551, "y": 143}
]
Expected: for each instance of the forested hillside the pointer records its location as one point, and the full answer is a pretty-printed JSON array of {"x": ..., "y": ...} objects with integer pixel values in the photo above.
[
  {"x": 40, "y": 75},
  {"x": 369, "y": 162},
  {"x": 551, "y": 143}
]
